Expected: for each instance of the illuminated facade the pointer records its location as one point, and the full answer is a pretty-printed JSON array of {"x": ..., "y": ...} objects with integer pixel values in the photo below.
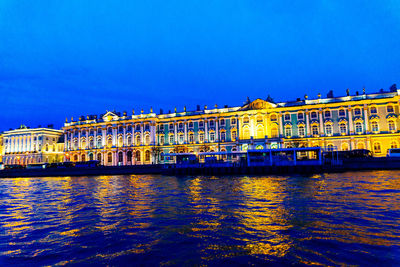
[
  {"x": 365, "y": 121},
  {"x": 26, "y": 146},
  {"x": 1, "y": 148}
]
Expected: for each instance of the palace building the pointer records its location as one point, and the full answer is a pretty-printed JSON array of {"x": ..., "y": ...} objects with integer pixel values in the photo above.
[
  {"x": 361, "y": 121},
  {"x": 27, "y": 146}
]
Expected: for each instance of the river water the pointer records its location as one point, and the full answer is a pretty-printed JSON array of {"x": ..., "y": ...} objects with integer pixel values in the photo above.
[{"x": 328, "y": 219}]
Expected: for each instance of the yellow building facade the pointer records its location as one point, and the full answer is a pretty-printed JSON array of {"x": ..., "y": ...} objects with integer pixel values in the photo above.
[{"x": 362, "y": 121}]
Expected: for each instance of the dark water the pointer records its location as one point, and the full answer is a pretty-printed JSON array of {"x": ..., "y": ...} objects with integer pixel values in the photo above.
[{"x": 331, "y": 219}]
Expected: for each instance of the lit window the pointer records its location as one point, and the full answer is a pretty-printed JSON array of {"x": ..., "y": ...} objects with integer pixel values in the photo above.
[
  {"x": 377, "y": 148},
  {"x": 181, "y": 138},
  {"x": 374, "y": 126},
  {"x": 328, "y": 129},
  {"x": 147, "y": 139},
  {"x": 212, "y": 137},
  {"x": 234, "y": 135},
  {"x": 343, "y": 128},
  {"x": 222, "y": 136},
  {"x": 138, "y": 141},
  {"x": 313, "y": 115},
  {"x": 274, "y": 118},
  {"x": 191, "y": 138},
  {"x": 327, "y": 114},
  {"x": 274, "y": 132},
  {"x": 259, "y": 119},
  {"x": 246, "y": 120},
  {"x": 201, "y": 137},
  {"x": 393, "y": 144},
  {"x": 162, "y": 139},
  {"x": 171, "y": 139},
  {"x": 315, "y": 130},
  {"x": 392, "y": 126},
  {"x": 301, "y": 131},
  {"x": 288, "y": 131},
  {"x": 233, "y": 121},
  {"x": 359, "y": 128}
]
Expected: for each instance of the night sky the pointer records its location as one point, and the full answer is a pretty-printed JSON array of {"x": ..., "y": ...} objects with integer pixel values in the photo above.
[{"x": 68, "y": 58}]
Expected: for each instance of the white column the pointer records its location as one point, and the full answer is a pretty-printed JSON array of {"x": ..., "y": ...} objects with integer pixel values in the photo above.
[
  {"x": 366, "y": 120},
  {"x": 351, "y": 127},
  {"x": 205, "y": 131},
  {"x": 185, "y": 136},
  {"x": 321, "y": 122},
  {"x": 280, "y": 124},
  {"x": 308, "y": 123}
]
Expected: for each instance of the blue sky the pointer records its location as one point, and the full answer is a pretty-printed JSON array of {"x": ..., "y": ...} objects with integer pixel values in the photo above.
[{"x": 63, "y": 59}]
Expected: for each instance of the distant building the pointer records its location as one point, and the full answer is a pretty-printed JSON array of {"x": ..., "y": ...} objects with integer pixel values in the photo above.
[
  {"x": 1, "y": 150},
  {"x": 361, "y": 121},
  {"x": 25, "y": 146}
]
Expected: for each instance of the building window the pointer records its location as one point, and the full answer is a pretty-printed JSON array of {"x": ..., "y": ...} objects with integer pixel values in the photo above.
[
  {"x": 390, "y": 109},
  {"x": 328, "y": 129},
  {"x": 161, "y": 127},
  {"x": 287, "y": 117},
  {"x": 129, "y": 128},
  {"x": 360, "y": 145},
  {"x": 109, "y": 157},
  {"x": 329, "y": 147},
  {"x": 137, "y": 155},
  {"x": 233, "y": 121},
  {"x": 212, "y": 136},
  {"x": 162, "y": 140},
  {"x": 180, "y": 125},
  {"x": 191, "y": 124},
  {"x": 99, "y": 157},
  {"x": 147, "y": 127},
  {"x": 120, "y": 129},
  {"x": 274, "y": 132},
  {"x": 246, "y": 133},
  {"x": 315, "y": 130},
  {"x": 120, "y": 157},
  {"x": 373, "y": 110},
  {"x": 201, "y": 137},
  {"x": 327, "y": 114},
  {"x": 345, "y": 146},
  {"x": 91, "y": 143},
  {"x": 313, "y": 115},
  {"x": 138, "y": 140},
  {"x": 129, "y": 140},
  {"x": 147, "y": 139},
  {"x": 260, "y": 132},
  {"x": 273, "y": 118},
  {"x": 120, "y": 141},
  {"x": 343, "y": 128},
  {"x": 300, "y": 116},
  {"x": 374, "y": 126},
  {"x": 393, "y": 144},
  {"x": 301, "y": 131},
  {"x": 129, "y": 156},
  {"x": 223, "y": 136},
  {"x": 181, "y": 138},
  {"x": 288, "y": 131},
  {"x": 259, "y": 119},
  {"x": 377, "y": 148},
  {"x": 171, "y": 126},
  {"x": 147, "y": 156},
  {"x": 109, "y": 142},
  {"x": 357, "y": 112},
  {"x": 211, "y": 123},
  {"x": 137, "y": 127},
  {"x": 222, "y": 122},
  {"x": 246, "y": 120},
  {"x": 342, "y": 113},
  {"x": 99, "y": 143},
  {"x": 191, "y": 138},
  {"x": 234, "y": 135},
  {"x": 392, "y": 126},
  {"x": 201, "y": 124},
  {"x": 171, "y": 139},
  {"x": 359, "y": 128}
]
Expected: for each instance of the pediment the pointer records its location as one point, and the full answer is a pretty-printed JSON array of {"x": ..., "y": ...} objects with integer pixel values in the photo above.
[
  {"x": 110, "y": 116},
  {"x": 258, "y": 104}
]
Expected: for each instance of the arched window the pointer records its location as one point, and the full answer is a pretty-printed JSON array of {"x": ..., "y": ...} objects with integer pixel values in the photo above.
[
  {"x": 109, "y": 157},
  {"x": 75, "y": 157},
  {"x": 120, "y": 157},
  {"x": 274, "y": 132},
  {"x": 392, "y": 126},
  {"x": 259, "y": 119},
  {"x": 137, "y": 156},
  {"x": 147, "y": 139},
  {"x": 191, "y": 124},
  {"x": 233, "y": 135},
  {"x": 47, "y": 147},
  {"x": 129, "y": 140},
  {"x": 222, "y": 136},
  {"x": 345, "y": 146},
  {"x": 120, "y": 141},
  {"x": 180, "y": 125},
  {"x": 246, "y": 120},
  {"x": 91, "y": 156},
  {"x": 211, "y": 123},
  {"x": 260, "y": 132},
  {"x": 360, "y": 145},
  {"x": 246, "y": 133},
  {"x": 99, "y": 157},
  {"x": 147, "y": 155},
  {"x": 109, "y": 142},
  {"x": 301, "y": 131},
  {"x": 212, "y": 136},
  {"x": 377, "y": 148},
  {"x": 180, "y": 138},
  {"x": 329, "y": 147},
  {"x": 373, "y": 110},
  {"x": 315, "y": 130},
  {"x": 390, "y": 109},
  {"x": 327, "y": 114},
  {"x": 343, "y": 128},
  {"x": 359, "y": 128},
  {"x": 300, "y": 116},
  {"x": 342, "y": 113},
  {"x": 129, "y": 156},
  {"x": 273, "y": 118},
  {"x": 328, "y": 129},
  {"x": 171, "y": 139},
  {"x": 374, "y": 126},
  {"x": 288, "y": 132},
  {"x": 287, "y": 117},
  {"x": 191, "y": 138},
  {"x": 357, "y": 111},
  {"x": 137, "y": 140},
  {"x": 314, "y": 115},
  {"x": 91, "y": 143},
  {"x": 98, "y": 142}
]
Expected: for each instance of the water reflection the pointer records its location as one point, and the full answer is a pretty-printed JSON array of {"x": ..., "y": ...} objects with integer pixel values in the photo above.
[{"x": 330, "y": 219}]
